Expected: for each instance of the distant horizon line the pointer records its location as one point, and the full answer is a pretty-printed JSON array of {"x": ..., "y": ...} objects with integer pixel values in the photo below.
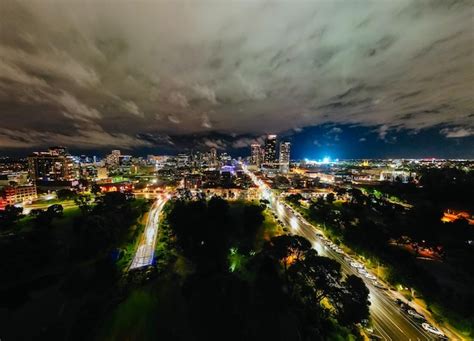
[{"x": 335, "y": 160}]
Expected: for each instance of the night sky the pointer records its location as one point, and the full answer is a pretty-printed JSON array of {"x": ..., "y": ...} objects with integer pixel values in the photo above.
[{"x": 347, "y": 79}]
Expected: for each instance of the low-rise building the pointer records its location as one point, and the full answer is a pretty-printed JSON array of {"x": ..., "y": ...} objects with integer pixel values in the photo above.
[
  {"x": 17, "y": 194},
  {"x": 115, "y": 187}
]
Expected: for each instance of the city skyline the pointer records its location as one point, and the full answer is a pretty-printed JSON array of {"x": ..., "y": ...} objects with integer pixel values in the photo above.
[{"x": 312, "y": 143}]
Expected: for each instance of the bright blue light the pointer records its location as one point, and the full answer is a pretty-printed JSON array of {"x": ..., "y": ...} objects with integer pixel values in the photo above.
[{"x": 326, "y": 159}]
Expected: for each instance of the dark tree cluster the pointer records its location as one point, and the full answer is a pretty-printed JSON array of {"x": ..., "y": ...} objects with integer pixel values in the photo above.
[
  {"x": 44, "y": 218},
  {"x": 104, "y": 222},
  {"x": 447, "y": 185},
  {"x": 205, "y": 231},
  {"x": 9, "y": 216},
  {"x": 276, "y": 295},
  {"x": 310, "y": 279}
]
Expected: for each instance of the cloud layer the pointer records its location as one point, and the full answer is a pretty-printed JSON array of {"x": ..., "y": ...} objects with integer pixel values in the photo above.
[{"x": 92, "y": 74}]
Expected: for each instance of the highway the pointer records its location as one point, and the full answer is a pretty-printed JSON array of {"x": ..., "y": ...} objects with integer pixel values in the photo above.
[
  {"x": 146, "y": 248},
  {"x": 388, "y": 320}
]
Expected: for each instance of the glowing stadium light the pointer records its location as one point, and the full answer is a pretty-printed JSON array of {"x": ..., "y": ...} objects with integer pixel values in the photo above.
[{"x": 326, "y": 159}]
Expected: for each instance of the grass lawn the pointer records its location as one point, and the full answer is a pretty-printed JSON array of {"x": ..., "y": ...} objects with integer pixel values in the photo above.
[
  {"x": 157, "y": 310},
  {"x": 133, "y": 318},
  {"x": 27, "y": 223},
  {"x": 130, "y": 242},
  {"x": 268, "y": 230}
]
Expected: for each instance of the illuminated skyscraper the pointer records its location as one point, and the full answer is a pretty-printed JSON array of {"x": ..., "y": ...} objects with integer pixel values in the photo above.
[
  {"x": 256, "y": 154},
  {"x": 54, "y": 165},
  {"x": 284, "y": 159},
  {"x": 113, "y": 158},
  {"x": 270, "y": 150},
  {"x": 213, "y": 157}
]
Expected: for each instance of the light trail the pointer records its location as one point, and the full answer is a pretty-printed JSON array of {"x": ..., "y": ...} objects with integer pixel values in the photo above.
[{"x": 146, "y": 249}]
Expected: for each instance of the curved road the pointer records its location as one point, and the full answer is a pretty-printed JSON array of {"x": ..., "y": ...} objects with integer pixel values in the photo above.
[{"x": 146, "y": 248}]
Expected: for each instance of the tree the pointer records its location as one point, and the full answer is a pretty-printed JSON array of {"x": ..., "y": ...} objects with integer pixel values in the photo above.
[
  {"x": 316, "y": 277},
  {"x": 320, "y": 210},
  {"x": 44, "y": 218},
  {"x": 56, "y": 210},
  {"x": 96, "y": 233},
  {"x": 287, "y": 250},
  {"x": 35, "y": 212},
  {"x": 95, "y": 189},
  {"x": 65, "y": 194},
  {"x": 10, "y": 215},
  {"x": 84, "y": 202},
  {"x": 330, "y": 198},
  {"x": 340, "y": 191},
  {"x": 253, "y": 219},
  {"x": 113, "y": 201},
  {"x": 353, "y": 302},
  {"x": 294, "y": 198},
  {"x": 357, "y": 197}
]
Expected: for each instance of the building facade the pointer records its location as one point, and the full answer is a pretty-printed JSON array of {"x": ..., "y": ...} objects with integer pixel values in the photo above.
[
  {"x": 284, "y": 159},
  {"x": 18, "y": 194},
  {"x": 53, "y": 165},
  {"x": 213, "y": 162},
  {"x": 113, "y": 159},
  {"x": 255, "y": 154},
  {"x": 270, "y": 150}
]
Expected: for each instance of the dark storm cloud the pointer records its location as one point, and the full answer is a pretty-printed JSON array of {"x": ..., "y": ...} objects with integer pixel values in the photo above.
[{"x": 136, "y": 74}]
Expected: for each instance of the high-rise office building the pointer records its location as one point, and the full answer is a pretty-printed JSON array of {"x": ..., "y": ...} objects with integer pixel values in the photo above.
[
  {"x": 54, "y": 165},
  {"x": 270, "y": 150},
  {"x": 183, "y": 160},
  {"x": 213, "y": 157},
  {"x": 255, "y": 154},
  {"x": 284, "y": 159},
  {"x": 113, "y": 159}
]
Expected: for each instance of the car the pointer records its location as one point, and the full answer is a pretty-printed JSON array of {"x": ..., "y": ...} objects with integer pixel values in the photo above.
[
  {"x": 379, "y": 285},
  {"x": 433, "y": 330},
  {"x": 413, "y": 313},
  {"x": 370, "y": 276},
  {"x": 399, "y": 302},
  {"x": 356, "y": 265},
  {"x": 339, "y": 251},
  {"x": 362, "y": 271},
  {"x": 348, "y": 259}
]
